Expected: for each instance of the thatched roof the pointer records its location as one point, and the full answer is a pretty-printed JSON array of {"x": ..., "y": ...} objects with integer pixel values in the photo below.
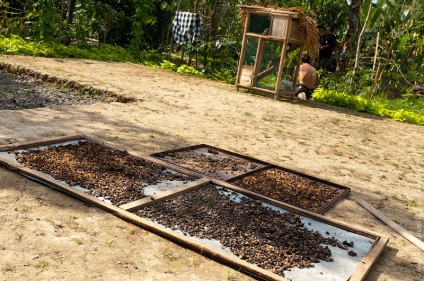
[{"x": 308, "y": 24}]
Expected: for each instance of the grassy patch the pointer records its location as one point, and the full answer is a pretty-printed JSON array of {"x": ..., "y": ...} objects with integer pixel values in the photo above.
[{"x": 407, "y": 109}]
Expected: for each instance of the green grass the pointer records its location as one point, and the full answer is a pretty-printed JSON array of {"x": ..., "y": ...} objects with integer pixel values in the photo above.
[
  {"x": 407, "y": 109},
  {"x": 15, "y": 45}
]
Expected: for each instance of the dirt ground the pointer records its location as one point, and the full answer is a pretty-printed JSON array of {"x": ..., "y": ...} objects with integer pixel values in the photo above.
[{"x": 48, "y": 235}]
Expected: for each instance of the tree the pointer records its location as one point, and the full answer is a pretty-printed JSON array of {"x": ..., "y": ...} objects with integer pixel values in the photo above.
[
  {"x": 70, "y": 12},
  {"x": 353, "y": 17}
]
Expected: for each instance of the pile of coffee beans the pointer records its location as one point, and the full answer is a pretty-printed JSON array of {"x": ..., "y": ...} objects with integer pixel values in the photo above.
[
  {"x": 210, "y": 162},
  {"x": 114, "y": 175},
  {"x": 258, "y": 234},
  {"x": 289, "y": 188}
]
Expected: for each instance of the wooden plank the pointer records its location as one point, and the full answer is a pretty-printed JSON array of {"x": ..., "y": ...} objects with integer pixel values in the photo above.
[
  {"x": 402, "y": 231},
  {"x": 164, "y": 195},
  {"x": 281, "y": 65},
  {"x": 268, "y": 37},
  {"x": 197, "y": 149},
  {"x": 368, "y": 261},
  {"x": 267, "y": 11},
  {"x": 324, "y": 208},
  {"x": 297, "y": 68},
  {"x": 246, "y": 75},
  {"x": 258, "y": 61},
  {"x": 179, "y": 190},
  {"x": 167, "y": 164},
  {"x": 103, "y": 143},
  {"x": 260, "y": 90},
  {"x": 295, "y": 32},
  {"x": 243, "y": 49},
  {"x": 136, "y": 205},
  {"x": 279, "y": 26},
  {"x": 24, "y": 145}
]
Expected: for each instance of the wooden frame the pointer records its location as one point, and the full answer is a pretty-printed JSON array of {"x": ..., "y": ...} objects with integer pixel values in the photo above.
[
  {"x": 262, "y": 166},
  {"x": 284, "y": 29},
  {"x": 123, "y": 212}
]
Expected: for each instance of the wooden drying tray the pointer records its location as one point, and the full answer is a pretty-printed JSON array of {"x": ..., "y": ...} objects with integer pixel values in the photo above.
[
  {"x": 262, "y": 165},
  {"x": 122, "y": 212}
]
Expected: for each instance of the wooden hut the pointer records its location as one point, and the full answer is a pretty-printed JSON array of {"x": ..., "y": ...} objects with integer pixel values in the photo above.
[{"x": 274, "y": 40}]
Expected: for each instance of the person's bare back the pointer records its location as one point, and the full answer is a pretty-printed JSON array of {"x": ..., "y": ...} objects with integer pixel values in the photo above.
[{"x": 307, "y": 75}]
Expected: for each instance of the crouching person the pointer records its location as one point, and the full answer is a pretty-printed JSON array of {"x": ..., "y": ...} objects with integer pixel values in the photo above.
[{"x": 307, "y": 78}]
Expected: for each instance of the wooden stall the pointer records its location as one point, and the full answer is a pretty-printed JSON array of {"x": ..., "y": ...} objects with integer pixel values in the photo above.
[{"x": 273, "y": 43}]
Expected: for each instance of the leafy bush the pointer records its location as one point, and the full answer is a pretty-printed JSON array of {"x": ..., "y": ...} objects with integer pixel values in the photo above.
[
  {"x": 15, "y": 45},
  {"x": 189, "y": 70},
  {"x": 222, "y": 76},
  {"x": 363, "y": 104},
  {"x": 168, "y": 65}
]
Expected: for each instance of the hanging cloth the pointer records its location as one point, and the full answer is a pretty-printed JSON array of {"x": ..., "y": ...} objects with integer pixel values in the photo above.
[{"x": 186, "y": 27}]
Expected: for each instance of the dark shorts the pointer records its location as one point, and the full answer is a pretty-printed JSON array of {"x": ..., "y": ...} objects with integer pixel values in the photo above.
[{"x": 301, "y": 88}]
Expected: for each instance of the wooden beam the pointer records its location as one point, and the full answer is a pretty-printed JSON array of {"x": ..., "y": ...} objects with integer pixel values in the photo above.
[
  {"x": 243, "y": 49},
  {"x": 164, "y": 195},
  {"x": 368, "y": 261},
  {"x": 402, "y": 231},
  {"x": 25, "y": 145}
]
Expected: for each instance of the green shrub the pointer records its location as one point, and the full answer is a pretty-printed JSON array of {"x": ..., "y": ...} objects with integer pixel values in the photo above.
[
  {"x": 189, "y": 70},
  {"x": 168, "y": 65},
  {"x": 363, "y": 104},
  {"x": 15, "y": 45}
]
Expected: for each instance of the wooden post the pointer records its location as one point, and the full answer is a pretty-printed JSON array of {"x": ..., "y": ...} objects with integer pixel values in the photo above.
[
  {"x": 283, "y": 56},
  {"x": 296, "y": 69},
  {"x": 243, "y": 49},
  {"x": 258, "y": 61}
]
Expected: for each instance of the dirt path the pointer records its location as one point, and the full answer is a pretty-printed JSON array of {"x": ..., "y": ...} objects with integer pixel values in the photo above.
[{"x": 47, "y": 235}]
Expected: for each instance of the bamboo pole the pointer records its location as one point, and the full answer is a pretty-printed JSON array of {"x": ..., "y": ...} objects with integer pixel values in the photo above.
[
  {"x": 376, "y": 51},
  {"x": 358, "y": 47},
  {"x": 376, "y": 78}
]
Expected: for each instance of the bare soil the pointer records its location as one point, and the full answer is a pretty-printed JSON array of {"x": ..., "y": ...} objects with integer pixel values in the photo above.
[{"x": 48, "y": 235}]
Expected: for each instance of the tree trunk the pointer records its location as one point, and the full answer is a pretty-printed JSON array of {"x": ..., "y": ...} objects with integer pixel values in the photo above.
[
  {"x": 353, "y": 17},
  {"x": 70, "y": 12},
  {"x": 61, "y": 16},
  {"x": 358, "y": 48},
  {"x": 69, "y": 18}
]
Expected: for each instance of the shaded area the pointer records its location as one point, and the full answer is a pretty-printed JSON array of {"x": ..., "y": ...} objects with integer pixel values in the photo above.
[{"x": 19, "y": 92}]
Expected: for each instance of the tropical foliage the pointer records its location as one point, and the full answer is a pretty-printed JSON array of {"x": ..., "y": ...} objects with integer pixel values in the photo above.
[{"x": 390, "y": 57}]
